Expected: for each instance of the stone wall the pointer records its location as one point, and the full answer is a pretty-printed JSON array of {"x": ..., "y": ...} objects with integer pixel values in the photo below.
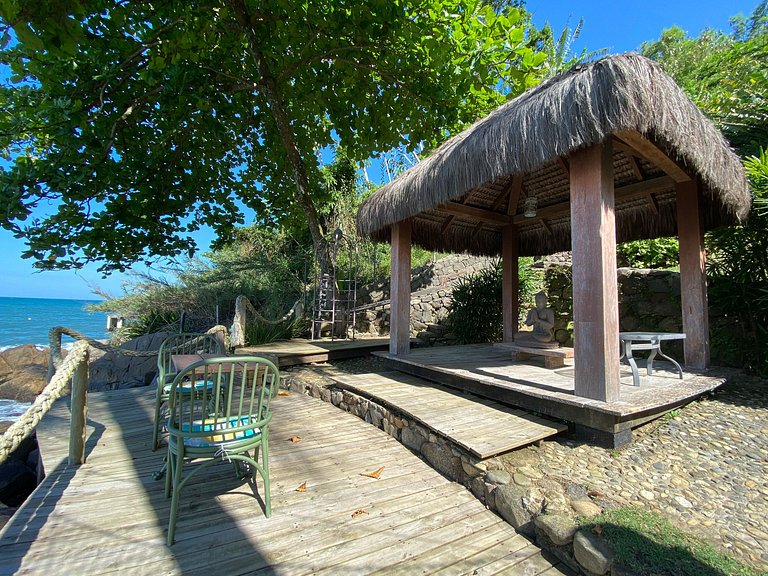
[
  {"x": 431, "y": 288},
  {"x": 648, "y": 300}
]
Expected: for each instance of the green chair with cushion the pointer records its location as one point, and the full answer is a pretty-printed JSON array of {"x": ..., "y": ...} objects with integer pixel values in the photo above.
[
  {"x": 228, "y": 421},
  {"x": 185, "y": 343}
]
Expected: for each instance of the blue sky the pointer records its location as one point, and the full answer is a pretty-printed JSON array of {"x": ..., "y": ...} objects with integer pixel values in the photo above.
[{"x": 618, "y": 26}]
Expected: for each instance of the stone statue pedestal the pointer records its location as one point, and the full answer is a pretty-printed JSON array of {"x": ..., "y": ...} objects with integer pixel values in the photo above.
[{"x": 528, "y": 340}]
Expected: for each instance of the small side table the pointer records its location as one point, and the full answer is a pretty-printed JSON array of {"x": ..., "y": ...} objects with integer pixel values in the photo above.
[{"x": 631, "y": 341}]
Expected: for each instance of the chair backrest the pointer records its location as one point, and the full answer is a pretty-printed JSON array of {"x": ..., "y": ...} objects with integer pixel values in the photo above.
[
  {"x": 232, "y": 399},
  {"x": 185, "y": 343}
]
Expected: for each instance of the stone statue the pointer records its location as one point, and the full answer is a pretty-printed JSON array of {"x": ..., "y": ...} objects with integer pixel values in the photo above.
[{"x": 542, "y": 319}]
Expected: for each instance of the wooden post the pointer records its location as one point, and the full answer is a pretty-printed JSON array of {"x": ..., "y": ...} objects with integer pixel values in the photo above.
[
  {"x": 693, "y": 278},
  {"x": 510, "y": 280},
  {"x": 79, "y": 408},
  {"x": 400, "y": 289},
  {"x": 595, "y": 291}
]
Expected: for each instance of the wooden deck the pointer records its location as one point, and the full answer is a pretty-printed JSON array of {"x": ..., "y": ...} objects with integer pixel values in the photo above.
[
  {"x": 305, "y": 351},
  {"x": 109, "y": 516},
  {"x": 489, "y": 371},
  {"x": 483, "y": 427}
]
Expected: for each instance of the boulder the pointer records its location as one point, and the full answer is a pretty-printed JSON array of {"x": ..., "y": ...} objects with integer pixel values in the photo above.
[
  {"x": 559, "y": 528},
  {"x": 442, "y": 460},
  {"x": 513, "y": 504},
  {"x": 23, "y": 371},
  {"x": 593, "y": 552},
  {"x": 17, "y": 481},
  {"x": 113, "y": 370}
]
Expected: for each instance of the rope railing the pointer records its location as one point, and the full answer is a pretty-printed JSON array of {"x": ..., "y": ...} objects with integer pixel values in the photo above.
[
  {"x": 55, "y": 334},
  {"x": 55, "y": 389},
  {"x": 242, "y": 307}
]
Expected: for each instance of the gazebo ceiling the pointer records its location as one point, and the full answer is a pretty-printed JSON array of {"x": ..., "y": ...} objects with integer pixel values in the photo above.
[{"x": 461, "y": 196}]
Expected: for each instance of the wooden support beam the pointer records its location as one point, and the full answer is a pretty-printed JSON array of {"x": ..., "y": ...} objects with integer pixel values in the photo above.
[
  {"x": 481, "y": 214},
  {"x": 510, "y": 280},
  {"x": 628, "y": 192},
  {"x": 653, "y": 203},
  {"x": 477, "y": 230},
  {"x": 635, "y": 166},
  {"x": 514, "y": 194},
  {"x": 400, "y": 289},
  {"x": 547, "y": 227},
  {"x": 693, "y": 279},
  {"x": 447, "y": 224},
  {"x": 564, "y": 165},
  {"x": 595, "y": 291},
  {"x": 648, "y": 150}
]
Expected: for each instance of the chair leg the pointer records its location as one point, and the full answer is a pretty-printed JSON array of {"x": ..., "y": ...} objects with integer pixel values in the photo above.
[
  {"x": 176, "y": 490},
  {"x": 156, "y": 429},
  {"x": 265, "y": 475}
]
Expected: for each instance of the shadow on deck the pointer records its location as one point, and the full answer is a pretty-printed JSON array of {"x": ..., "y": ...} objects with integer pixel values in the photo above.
[{"x": 110, "y": 515}]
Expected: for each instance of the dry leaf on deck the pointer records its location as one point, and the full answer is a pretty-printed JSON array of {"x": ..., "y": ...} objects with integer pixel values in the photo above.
[
  {"x": 359, "y": 512},
  {"x": 295, "y": 439},
  {"x": 375, "y": 474},
  {"x": 283, "y": 393},
  {"x": 595, "y": 494},
  {"x": 302, "y": 488}
]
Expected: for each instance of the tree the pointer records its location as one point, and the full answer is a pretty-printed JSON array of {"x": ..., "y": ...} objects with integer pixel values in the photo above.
[
  {"x": 137, "y": 122},
  {"x": 559, "y": 54}
]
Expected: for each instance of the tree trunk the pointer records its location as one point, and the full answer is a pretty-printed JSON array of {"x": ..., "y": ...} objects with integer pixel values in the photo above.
[{"x": 268, "y": 86}]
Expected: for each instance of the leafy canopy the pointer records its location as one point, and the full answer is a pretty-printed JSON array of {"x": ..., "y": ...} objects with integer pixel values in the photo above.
[{"x": 127, "y": 125}]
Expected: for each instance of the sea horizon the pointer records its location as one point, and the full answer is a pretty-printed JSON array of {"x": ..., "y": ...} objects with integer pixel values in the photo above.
[{"x": 26, "y": 320}]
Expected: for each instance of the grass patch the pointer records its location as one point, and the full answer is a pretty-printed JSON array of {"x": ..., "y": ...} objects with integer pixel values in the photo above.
[
  {"x": 648, "y": 544},
  {"x": 258, "y": 332}
]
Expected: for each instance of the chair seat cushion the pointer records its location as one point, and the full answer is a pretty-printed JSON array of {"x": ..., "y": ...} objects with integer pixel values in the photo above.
[
  {"x": 225, "y": 437},
  {"x": 187, "y": 386}
]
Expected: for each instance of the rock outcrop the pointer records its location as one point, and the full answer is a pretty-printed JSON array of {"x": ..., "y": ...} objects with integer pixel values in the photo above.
[
  {"x": 22, "y": 372},
  {"x": 112, "y": 370}
]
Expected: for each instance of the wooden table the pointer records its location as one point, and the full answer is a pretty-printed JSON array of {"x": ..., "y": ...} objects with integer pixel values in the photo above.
[
  {"x": 647, "y": 341},
  {"x": 181, "y": 361}
]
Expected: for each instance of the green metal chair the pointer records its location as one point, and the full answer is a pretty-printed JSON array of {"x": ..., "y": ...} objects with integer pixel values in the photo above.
[
  {"x": 185, "y": 343},
  {"x": 228, "y": 421}
]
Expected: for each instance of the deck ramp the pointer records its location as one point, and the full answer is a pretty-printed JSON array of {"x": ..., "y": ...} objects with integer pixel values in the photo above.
[
  {"x": 483, "y": 427},
  {"x": 109, "y": 515}
]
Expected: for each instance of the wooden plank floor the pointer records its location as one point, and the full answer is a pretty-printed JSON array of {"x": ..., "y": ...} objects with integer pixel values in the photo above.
[
  {"x": 305, "y": 351},
  {"x": 483, "y": 427},
  {"x": 492, "y": 366},
  {"x": 109, "y": 515}
]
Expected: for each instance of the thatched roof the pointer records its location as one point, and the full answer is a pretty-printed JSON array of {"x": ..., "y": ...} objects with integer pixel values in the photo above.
[{"x": 458, "y": 198}]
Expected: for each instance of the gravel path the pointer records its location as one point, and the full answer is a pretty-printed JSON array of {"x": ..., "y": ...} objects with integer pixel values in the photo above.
[{"x": 705, "y": 466}]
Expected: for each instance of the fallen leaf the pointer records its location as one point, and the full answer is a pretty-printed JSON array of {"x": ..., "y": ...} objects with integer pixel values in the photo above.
[
  {"x": 358, "y": 512},
  {"x": 283, "y": 393},
  {"x": 595, "y": 494},
  {"x": 597, "y": 529},
  {"x": 295, "y": 439},
  {"x": 303, "y": 487},
  {"x": 375, "y": 474}
]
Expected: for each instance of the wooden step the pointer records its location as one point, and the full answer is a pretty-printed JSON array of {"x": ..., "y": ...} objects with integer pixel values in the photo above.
[{"x": 483, "y": 427}]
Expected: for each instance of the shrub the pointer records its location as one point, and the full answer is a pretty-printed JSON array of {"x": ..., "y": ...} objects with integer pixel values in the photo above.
[
  {"x": 655, "y": 253},
  {"x": 476, "y": 312}
]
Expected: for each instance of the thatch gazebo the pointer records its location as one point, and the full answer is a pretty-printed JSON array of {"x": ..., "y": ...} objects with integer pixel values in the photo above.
[{"x": 609, "y": 151}]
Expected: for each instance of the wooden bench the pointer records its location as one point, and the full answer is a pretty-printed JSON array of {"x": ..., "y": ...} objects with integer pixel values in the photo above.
[{"x": 553, "y": 357}]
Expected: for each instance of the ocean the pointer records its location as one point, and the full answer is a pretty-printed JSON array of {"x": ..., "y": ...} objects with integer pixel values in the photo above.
[{"x": 28, "y": 320}]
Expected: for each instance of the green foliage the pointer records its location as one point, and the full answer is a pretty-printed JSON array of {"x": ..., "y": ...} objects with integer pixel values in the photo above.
[
  {"x": 127, "y": 126},
  {"x": 654, "y": 253},
  {"x": 267, "y": 266},
  {"x": 647, "y": 543},
  {"x": 738, "y": 281},
  {"x": 476, "y": 312},
  {"x": 559, "y": 56},
  {"x": 257, "y": 332},
  {"x": 724, "y": 74}
]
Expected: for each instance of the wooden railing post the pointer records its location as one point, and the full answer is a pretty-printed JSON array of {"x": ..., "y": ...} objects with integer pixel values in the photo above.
[{"x": 79, "y": 408}]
